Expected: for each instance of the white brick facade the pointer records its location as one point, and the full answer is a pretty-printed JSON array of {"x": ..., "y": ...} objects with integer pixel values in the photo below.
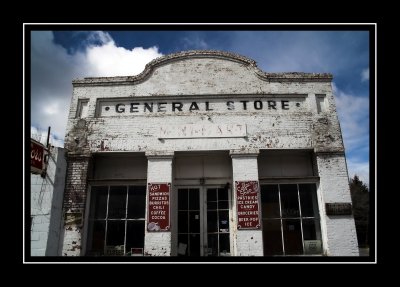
[
  {"x": 46, "y": 206},
  {"x": 202, "y": 101},
  {"x": 340, "y": 231}
]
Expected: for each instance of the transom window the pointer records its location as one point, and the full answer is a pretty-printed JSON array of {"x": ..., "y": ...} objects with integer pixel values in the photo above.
[
  {"x": 291, "y": 223},
  {"x": 116, "y": 220}
]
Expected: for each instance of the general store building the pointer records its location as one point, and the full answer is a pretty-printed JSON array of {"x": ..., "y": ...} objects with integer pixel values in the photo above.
[{"x": 204, "y": 154}]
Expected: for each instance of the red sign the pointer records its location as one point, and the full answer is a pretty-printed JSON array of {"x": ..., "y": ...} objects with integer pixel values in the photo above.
[
  {"x": 247, "y": 204},
  {"x": 37, "y": 155},
  {"x": 158, "y": 217}
]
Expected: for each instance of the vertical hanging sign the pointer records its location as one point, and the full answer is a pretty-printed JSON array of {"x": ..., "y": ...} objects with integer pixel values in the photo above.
[
  {"x": 158, "y": 209},
  {"x": 247, "y": 193},
  {"x": 37, "y": 157}
]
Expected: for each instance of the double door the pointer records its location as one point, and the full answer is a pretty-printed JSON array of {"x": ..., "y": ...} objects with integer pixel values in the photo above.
[{"x": 204, "y": 221}]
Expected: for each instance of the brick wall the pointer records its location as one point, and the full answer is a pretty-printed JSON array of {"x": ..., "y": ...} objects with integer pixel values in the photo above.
[
  {"x": 46, "y": 205},
  {"x": 74, "y": 201},
  {"x": 75, "y": 188},
  {"x": 339, "y": 232}
]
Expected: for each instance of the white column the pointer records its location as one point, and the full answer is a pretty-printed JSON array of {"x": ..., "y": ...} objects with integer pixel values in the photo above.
[
  {"x": 159, "y": 170},
  {"x": 339, "y": 232},
  {"x": 245, "y": 168}
]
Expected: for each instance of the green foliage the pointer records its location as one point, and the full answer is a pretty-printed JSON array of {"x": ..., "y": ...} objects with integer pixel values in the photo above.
[{"x": 360, "y": 198}]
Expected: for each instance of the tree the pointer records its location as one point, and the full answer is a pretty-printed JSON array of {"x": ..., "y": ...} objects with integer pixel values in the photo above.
[{"x": 360, "y": 198}]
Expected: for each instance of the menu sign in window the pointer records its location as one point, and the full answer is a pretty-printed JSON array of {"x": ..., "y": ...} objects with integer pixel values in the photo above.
[
  {"x": 247, "y": 193},
  {"x": 158, "y": 209}
]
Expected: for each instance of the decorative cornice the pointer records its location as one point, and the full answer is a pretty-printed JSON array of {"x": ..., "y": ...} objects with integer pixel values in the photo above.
[
  {"x": 294, "y": 76},
  {"x": 270, "y": 77}
]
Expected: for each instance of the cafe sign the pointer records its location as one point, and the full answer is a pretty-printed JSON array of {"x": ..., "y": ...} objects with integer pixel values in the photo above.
[
  {"x": 37, "y": 157},
  {"x": 158, "y": 209},
  {"x": 247, "y": 195}
]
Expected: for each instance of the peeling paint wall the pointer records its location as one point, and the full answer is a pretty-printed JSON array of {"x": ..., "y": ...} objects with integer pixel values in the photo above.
[
  {"x": 340, "y": 236},
  {"x": 74, "y": 202},
  {"x": 205, "y": 78}
]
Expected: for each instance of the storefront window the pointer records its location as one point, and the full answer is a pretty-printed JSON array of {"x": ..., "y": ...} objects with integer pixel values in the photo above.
[
  {"x": 116, "y": 220},
  {"x": 291, "y": 224}
]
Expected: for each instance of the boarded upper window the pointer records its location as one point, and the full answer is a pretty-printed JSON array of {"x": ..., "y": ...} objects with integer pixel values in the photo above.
[
  {"x": 121, "y": 166},
  {"x": 321, "y": 108},
  {"x": 83, "y": 109},
  {"x": 285, "y": 164}
]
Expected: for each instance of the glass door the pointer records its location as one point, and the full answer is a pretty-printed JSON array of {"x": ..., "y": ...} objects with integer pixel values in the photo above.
[
  {"x": 189, "y": 225},
  {"x": 217, "y": 227},
  {"x": 203, "y": 222}
]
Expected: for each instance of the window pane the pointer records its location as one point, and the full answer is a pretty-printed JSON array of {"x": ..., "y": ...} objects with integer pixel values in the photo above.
[
  {"x": 311, "y": 229},
  {"x": 223, "y": 204},
  {"x": 308, "y": 200},
  {"x": 98, "y": 235},
  {"x": 182, "y": 222},
  {"x": 212, "y": 245},
  {"x": 224, "y": 245},
  {"x": 194, "y": 221},
  {"x": 292, "y": 236},
  {"x": 182, "y": 244},
  {"x": 312, "y": 236},
  {"x": 194, "y": 200},
  {"x": 115, "y": 232},
  {"x": 223, "y": 221},
  {"x": 134, "y": 234},
  {"x": 117, "y": 202},
  {"x": 182, "y": 199},
  {"x": 194, "y": 244},
  {"x": 272, "y": 237},
  {"x": 212, "y": 221},
  {"x": 211, "y": 194},
  {"x": 222, "y": 194},
  {"x": 99, "y": 202},
  {"x": 289, "y": 200},
  {"x": 270, "y": 201},
  {"x": 211, "y": 205},
  {"x": 136, "y": 202}
]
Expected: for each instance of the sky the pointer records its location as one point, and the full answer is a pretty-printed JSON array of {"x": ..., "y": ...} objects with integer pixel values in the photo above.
[{"x": 59, "y": 57}]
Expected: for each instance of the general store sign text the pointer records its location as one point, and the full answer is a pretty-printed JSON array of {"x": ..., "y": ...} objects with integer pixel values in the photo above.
[{"x": 107, "y": 108}]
